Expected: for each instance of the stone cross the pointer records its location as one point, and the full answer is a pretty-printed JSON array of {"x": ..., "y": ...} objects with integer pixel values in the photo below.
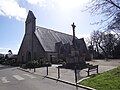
[{"x": 73, "y": 26}]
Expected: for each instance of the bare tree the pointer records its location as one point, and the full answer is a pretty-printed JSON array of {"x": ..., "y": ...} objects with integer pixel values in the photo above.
[
  {"x": 110, "y": 10},
  {"x": 96, "y": 38},
  {"x": 103, "y": 41},
  {"x": 109, "y": 42},
  {"x": 104, "y": 7},
  {"x": 107, "y": 8},
  {"x": 115, "y": 23}
]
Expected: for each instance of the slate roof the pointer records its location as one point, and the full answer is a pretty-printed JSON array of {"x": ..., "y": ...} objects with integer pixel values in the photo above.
[{"x": 48, "y": 38}]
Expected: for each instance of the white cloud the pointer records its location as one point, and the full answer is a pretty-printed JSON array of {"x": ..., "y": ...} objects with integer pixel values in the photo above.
[
  {"x": 41, "y": 3},
  {"x": 63, "y": 4},
  {"x": 11, "y": 8},
  {"x": 69, "y": 4},
  {"x": 83, "y": 35},
  {"x": 4, "y": 50}
]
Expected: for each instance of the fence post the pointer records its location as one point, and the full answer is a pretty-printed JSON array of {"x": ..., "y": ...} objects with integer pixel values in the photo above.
[
  {"x": 58, "y": 72},
  {"x": 88, "y": 72},
  {"x": 75, "y": 75},
  {"x": 47, "y": 69},
  {"x": 34, "y": 70},
  {"x": 97, "y": 69}
]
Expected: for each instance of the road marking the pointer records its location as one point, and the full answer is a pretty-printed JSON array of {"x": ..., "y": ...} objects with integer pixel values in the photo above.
[
  {"x": 29, "y": 76},
  {"x": 18, "y": 77},
  {"x": 4, "y": 80}
]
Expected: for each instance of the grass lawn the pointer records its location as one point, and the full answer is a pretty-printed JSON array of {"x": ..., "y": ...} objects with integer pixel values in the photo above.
[{"x": 109, "y": 80}]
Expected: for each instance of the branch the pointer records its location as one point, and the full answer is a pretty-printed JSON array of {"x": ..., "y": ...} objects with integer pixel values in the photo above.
[{"x": 113, "y": 4}]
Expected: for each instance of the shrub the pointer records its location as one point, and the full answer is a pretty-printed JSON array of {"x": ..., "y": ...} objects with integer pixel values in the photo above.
[
  {"x": 32, "y": 64},
  {"x": 36, "y": 64},
  {"x": 1, "y": 61},
  {"x": 63, "y": 63},
  {"x": 47, "y": 63},
  {"x": 24, "y": 66}
]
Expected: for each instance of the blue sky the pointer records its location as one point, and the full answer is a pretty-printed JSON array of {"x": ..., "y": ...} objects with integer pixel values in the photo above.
[{"x": 53, "y": 14}]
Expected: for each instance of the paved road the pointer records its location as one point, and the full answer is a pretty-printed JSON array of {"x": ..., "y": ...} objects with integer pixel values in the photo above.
[{"x": 13, "y": 79}]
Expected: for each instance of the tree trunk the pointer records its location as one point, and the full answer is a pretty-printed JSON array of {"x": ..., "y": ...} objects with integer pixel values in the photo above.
[
  {"x": 105, "y": 53},
  {"x": 97, "y": 48}
]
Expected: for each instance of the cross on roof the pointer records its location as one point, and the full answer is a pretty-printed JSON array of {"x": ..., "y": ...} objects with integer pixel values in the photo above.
[{"x": 73, "y": 25}]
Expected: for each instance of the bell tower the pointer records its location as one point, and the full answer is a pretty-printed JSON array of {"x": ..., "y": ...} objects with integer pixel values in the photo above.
[{"x": 30, "y": 23}]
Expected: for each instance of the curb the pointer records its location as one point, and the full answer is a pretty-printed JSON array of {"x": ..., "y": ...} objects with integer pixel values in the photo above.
[
  {"x": 82, "y": 79},
  {"x": 70, "y": 83}
]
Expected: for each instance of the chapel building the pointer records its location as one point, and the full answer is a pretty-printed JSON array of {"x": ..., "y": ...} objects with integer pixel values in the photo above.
[{"x": 39, "y": 42}]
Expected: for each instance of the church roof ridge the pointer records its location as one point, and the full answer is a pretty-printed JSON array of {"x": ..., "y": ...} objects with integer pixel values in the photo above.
[{"x": 53, "y": 30}]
